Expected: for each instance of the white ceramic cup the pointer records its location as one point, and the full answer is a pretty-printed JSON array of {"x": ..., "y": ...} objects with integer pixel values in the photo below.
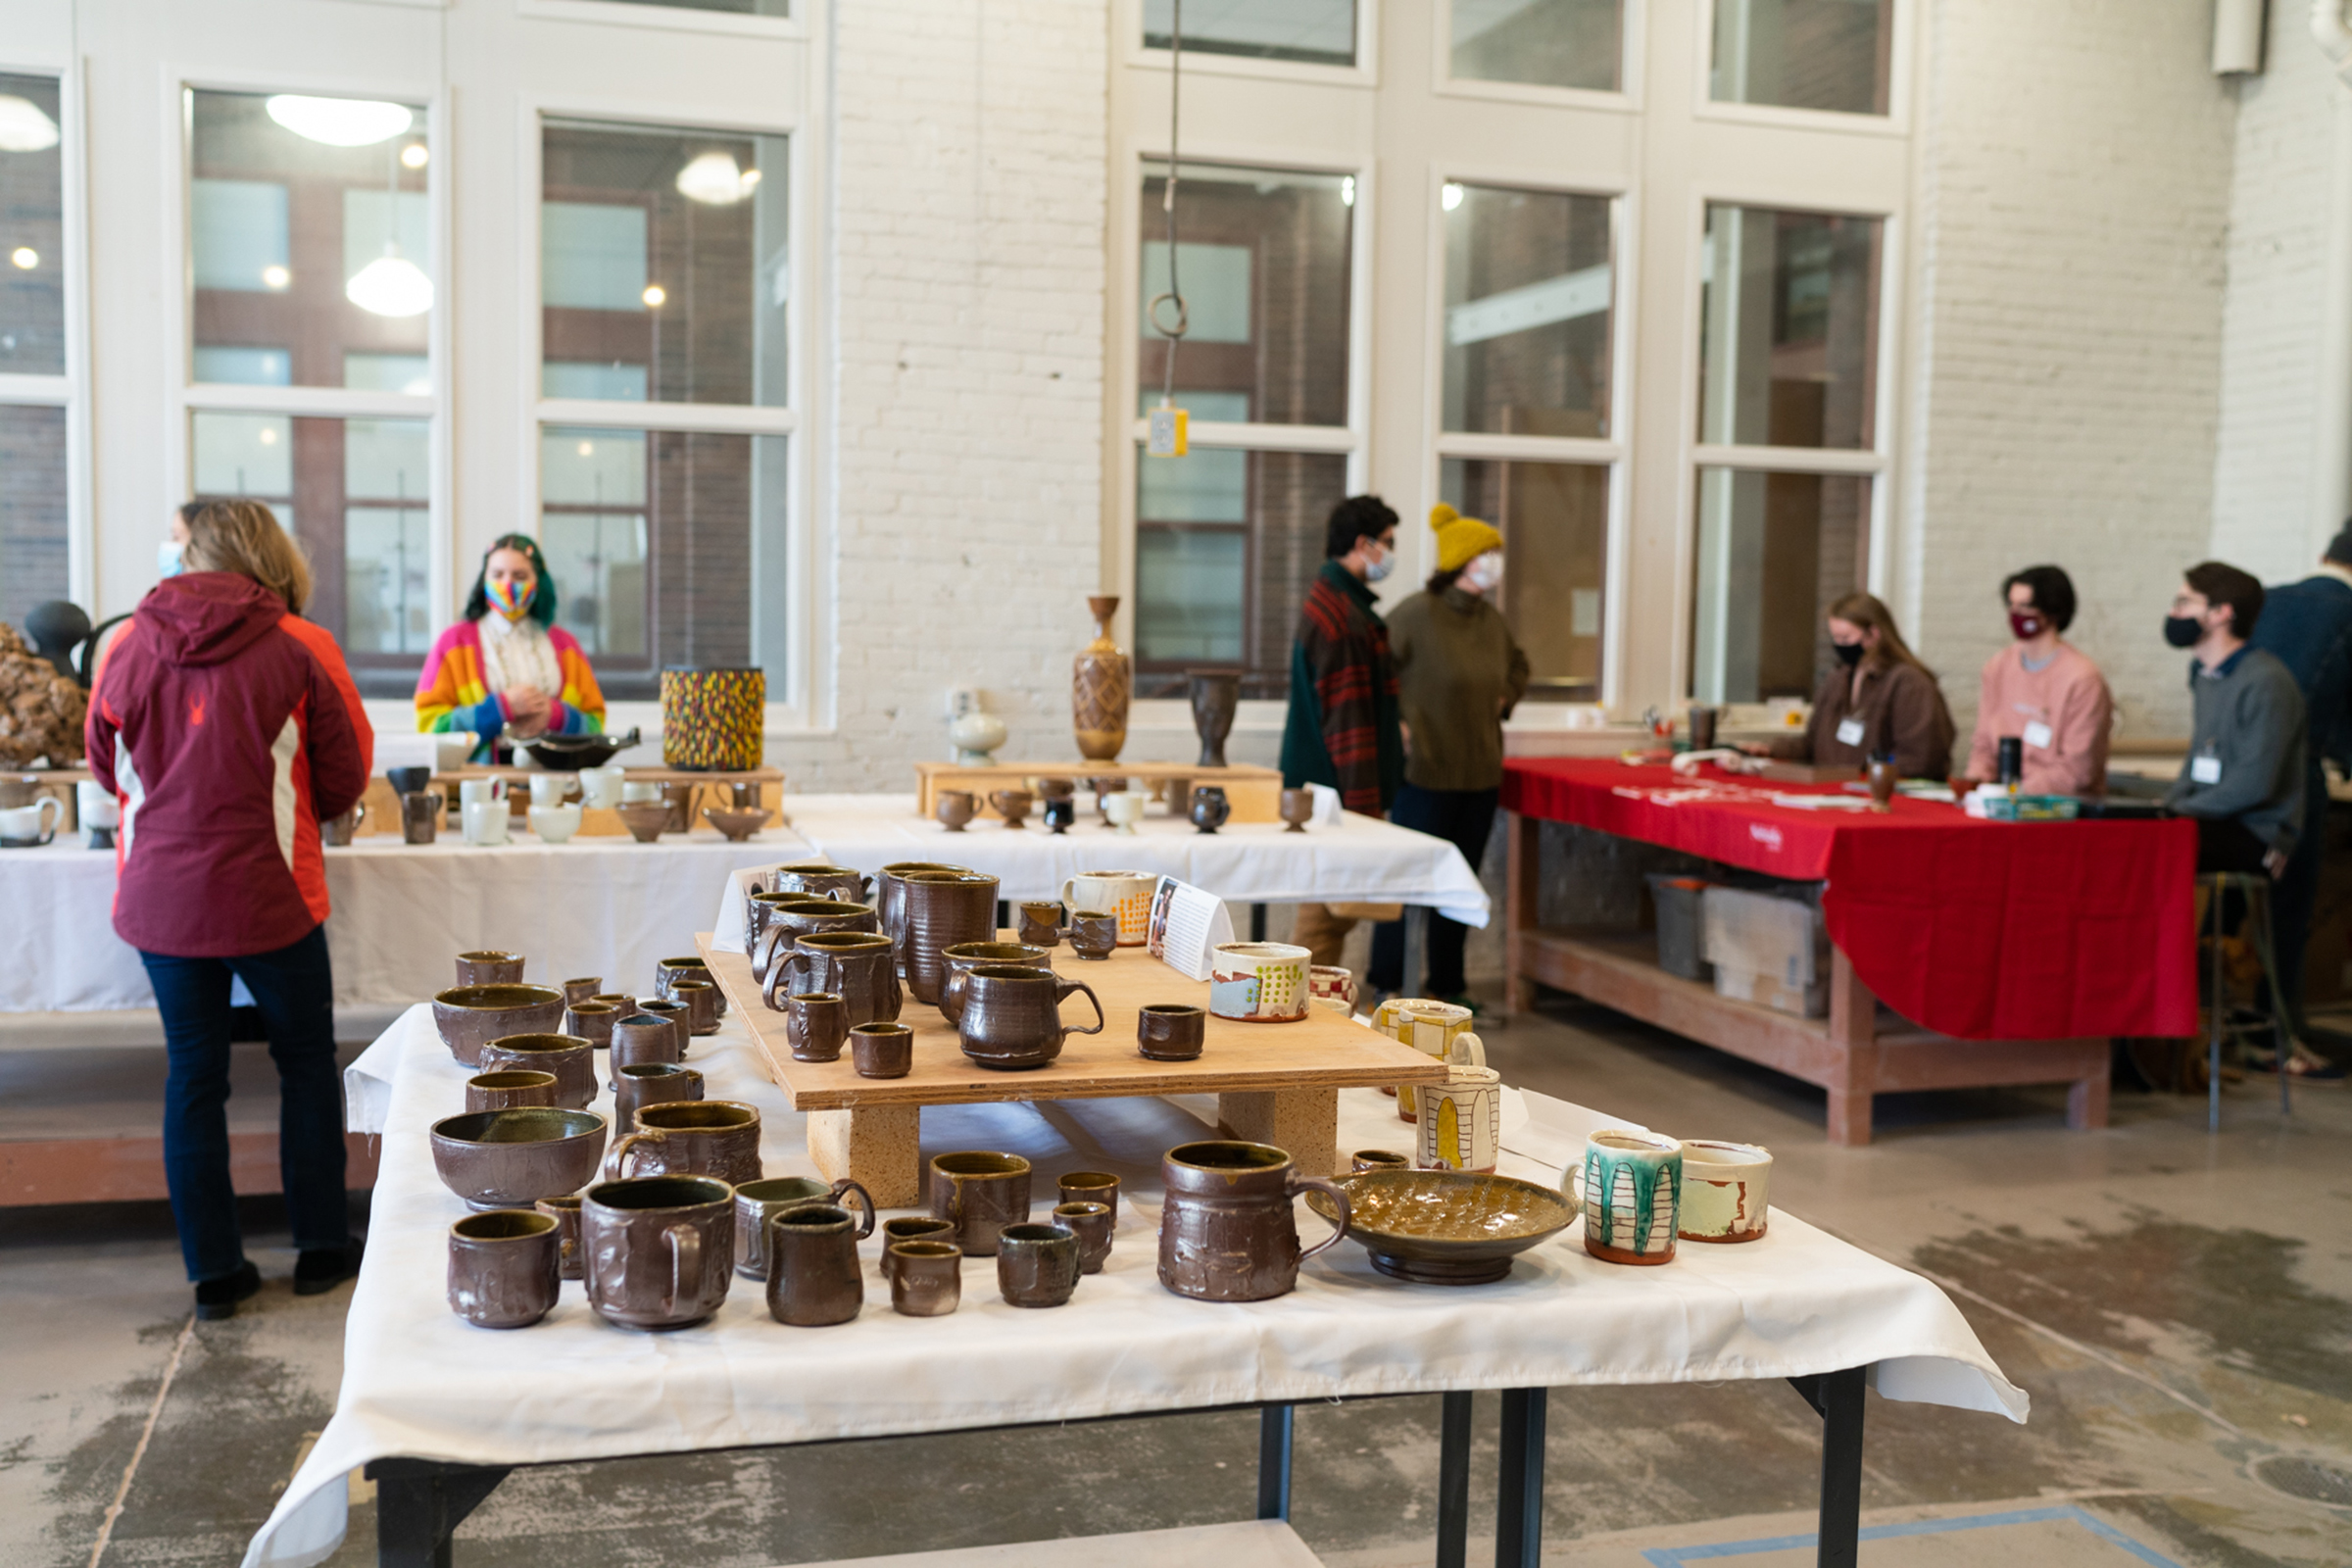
[
  {"x": 480, "y": 790},
  {"x": 1258, "y": 982},
  {"x": 639, "y": 793},
  {"x": 485, "y": 821},
  {"x": 599, "y": 787},
  {"x": 1124, "y": 808},
  {"x": 1125, "y": 893},
  {"x": 23, "y": 826},
  {"x": 1621, "y": 1168},
  {"x": 1462, "y": 1120},
  {"x": 1427, "y": 1026},
  {"x": 555, "y": 825},
  {"x": 1727, "y": 1190},
  {"x": 95, "y": 806}
]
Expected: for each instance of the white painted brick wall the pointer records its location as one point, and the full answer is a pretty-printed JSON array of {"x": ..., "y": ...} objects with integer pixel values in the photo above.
[
  {"x": 2271, "y": 343},
  {"x": 969, "y": 257},
  {"x": 2065, "y": 404}
]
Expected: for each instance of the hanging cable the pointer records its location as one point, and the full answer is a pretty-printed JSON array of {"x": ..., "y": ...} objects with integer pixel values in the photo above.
[{"x": 1167, "y": 202}]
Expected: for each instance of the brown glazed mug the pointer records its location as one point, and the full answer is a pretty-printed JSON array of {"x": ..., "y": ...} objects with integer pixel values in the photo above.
[
  {"x": 622, "y": 1003},
  {"x": 644, "y": 1037},
  {"x": 942, "y": 909},
  {"x": 785, "y": 918},
  {"x": 489, "y": 968},
  {"x": 651, "y": 1083},
  {"x": 854, "y": 965},
  {"x": 1090, "y": 1187},
  {"x": 691, "y": 1137},
  {"x": 914, "y": 1228},
  {"x": 816, "y": 1025},
  {"x": 510, "y": 1086},
  {"x": 582, "y": 989},
  {"x": 659, "y": 1250},
  {"x": 821, "y": 879},
  {"x": 469, "y": 1016},
  {"x": 955, "y": 807},
  {"x": 890, "y": 900},
  {"x": 979, "y": 1194},
  {"x": 1093, "y": 934},
  {"x": 1012, "y": 805},
  {"x": 1036, "y": 1265},
  {"x": 502, "y": 1268},
  {"x": 702, "y": 1004},
  {"x": 421, "y": 817},
  {"x": 565, "y": 1213},
  {"x": 813, "y": 1276},
  {"x": 757, "y": 1203},
  {"x": 668, "y": 973},
  {"x": 1170, "y": 1031},
  {"x": 592, "y": 1021},
  {"x": 1227, "y": 1232},
  {"x": 926, "y": 1277},
  {"x": 965, "y": 956},
  {"x": 663, "y": 1008},
  {"x": 1041, "y": 923},
  {"x": 1091, "y": 1224},
  {"x": 1364, "y": 1160},
  {"x": 570, "y": 1057},
  {"x": 882, "y": 1050},
  {"x": 1013, "y": 1016}
]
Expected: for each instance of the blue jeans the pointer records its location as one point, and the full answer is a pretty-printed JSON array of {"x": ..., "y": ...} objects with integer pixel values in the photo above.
[
  {"x": 1463, "y": 819},
  {"x": 294, "y": 988}
]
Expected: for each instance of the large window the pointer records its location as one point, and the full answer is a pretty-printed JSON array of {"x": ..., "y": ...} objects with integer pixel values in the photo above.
[
  {"x": 1539, "y": 43},
  {"x": 1834, "y": 55},
  {"x": 664, "y": 271},
  {"x": 33, "y": 387},
  {"x": 1320, "y": 32},
  {"x": 1228, "y": 536},
  {"x": 311, "y": 266},
  {"x": 1775, "y": 551}
]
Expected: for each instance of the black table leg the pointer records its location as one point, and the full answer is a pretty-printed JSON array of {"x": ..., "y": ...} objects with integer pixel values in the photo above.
[
  {"x": 420, "y": 1503},
  {"x": 1453, "y": 1482},
  {"x": 1274, "y": 1423},
  {"x": 1519, "y": 1490},
  {"x": 1837, "y": 1397},
  {"x": 1257, "y": 922}
]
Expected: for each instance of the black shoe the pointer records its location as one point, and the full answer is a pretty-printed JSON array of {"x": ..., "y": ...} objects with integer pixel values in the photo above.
[
  {"x": 320, "y": 1270},
  {"x": 219, "y": 1298}
]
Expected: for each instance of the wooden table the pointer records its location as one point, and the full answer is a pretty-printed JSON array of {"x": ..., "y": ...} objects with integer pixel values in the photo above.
[{"x": 1275, "y": 1083}]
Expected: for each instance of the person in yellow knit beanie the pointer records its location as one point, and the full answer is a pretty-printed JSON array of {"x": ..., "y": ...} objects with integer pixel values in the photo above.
[{"x": 1459, "y": 672}]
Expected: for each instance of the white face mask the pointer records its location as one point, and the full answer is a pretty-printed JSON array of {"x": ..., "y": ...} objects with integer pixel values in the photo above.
[
  {"x": 167, "y": 562},
  {"x": 1375, "y": 570},
  {"x": 1485, "y": 572}
]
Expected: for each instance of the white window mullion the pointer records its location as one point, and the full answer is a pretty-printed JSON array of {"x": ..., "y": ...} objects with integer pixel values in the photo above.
[
  {"x": 713, "y": 418},
  {"x": 1790, "y": 460},
  {"x": 1264, "y": 437}
]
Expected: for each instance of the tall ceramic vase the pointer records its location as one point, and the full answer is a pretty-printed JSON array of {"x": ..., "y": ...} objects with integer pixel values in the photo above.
[
  {"x": 1215, "y": 695},
  {"x": 1102, "y": 685}
]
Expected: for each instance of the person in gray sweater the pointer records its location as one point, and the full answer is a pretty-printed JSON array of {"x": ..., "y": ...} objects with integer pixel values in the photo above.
[{"x": 2244, "y": 779}]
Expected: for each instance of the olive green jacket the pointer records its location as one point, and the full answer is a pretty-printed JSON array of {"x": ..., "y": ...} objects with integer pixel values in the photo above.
[{"x": 1459, "y": 673}]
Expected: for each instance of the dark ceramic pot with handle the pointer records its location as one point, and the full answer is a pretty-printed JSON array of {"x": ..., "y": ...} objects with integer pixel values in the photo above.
[
  {"x": 1012, "y": 1016},
  {"x": 659, "y": 1251},
  {"x": 965, "y": 956},
  {"x": 1227, "y": 1232}
]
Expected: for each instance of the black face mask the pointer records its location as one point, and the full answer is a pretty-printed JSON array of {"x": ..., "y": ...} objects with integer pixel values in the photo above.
[
  {"x": 1848, "y": 654},
  {"x": 2182, "y": 631}
]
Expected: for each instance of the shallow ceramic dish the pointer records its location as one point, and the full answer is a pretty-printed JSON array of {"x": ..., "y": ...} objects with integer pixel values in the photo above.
[
  {"x": 471, "y": 1016},
  {"x": 1447, "y": 1227},
  {"x": 737, "y": 826},
  {"x": 512, "y": 1158},
  {"x": 566, "y": 753}
]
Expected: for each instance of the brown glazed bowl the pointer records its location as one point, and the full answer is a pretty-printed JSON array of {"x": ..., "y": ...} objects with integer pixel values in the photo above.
[
  {"x": 470, "y": 1016},
  {"x": 512, "y": 1158},
  {"x": 645, "y": 819},
  {"x": 1447, "y": 1227},
  {"x": 736, "y": 825}
]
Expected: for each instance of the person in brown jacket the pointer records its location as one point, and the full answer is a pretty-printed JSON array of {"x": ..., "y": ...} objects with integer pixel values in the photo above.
[{"x": 1876, "y": 699}]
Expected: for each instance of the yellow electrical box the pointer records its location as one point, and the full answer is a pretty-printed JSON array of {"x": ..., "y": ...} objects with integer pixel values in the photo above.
[{"x": 1164, "y": 432}]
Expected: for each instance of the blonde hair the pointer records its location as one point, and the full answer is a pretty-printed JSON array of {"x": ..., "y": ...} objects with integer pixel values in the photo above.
[
  {"x": 243, "y": 536},
  {"x": 1866, "y": 610}
]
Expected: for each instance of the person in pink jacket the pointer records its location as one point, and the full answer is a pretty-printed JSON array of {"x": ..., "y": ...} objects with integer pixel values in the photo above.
[{"x": 2046, "y": 692}]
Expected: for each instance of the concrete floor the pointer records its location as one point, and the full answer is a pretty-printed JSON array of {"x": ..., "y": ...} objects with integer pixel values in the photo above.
[{"x": 2179, "y": 1306}]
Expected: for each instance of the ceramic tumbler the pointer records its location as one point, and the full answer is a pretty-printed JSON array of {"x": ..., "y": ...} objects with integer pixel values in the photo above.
[
  {"x": 690, "y": 967},
  {"x": 642, "y": 1039},
  {"x": 1364, "y": 1160},
  {"x": 1091, "y": 1224},
  {"x": 651, "y": 1083},
  {"x": 890, "y": 900},
  {"x": 565, "y": 1213},
  {"x": 592, "y": 1021},
  {"x": 1460, "y": 1125},
  {"x": 1093, "y": 933},
  {"x": 700, "y": 999},
  {"x": 1170, "y": 1031},
  {"x": 981, "y": 1194},
  {"x": 943, "y": 909},
  {"x": 1125, "y": 893},
  {"x": 485, "y": 823},
  {"x": 1631, "y": 1186},
  {"x": 421, "y": 817},
  {"x": 659, "y": 1250},
  {"x": 1227, "y": 1230},
  {"x": 926, "y": 1277},
  {"x": 489, "y": 968},
  {"x": 1258, "y": 982},
  {"x": 1090, "y": 1187},
  {"x": 816, "y": 1025},
  {"x": 813, "y": 1276},
  {"x": 620, "y": 1001},
  {"x": 757, "y": 1203},
  {"x": 510, "y": 1086},
  {"x": 1328, "y": 982},
  {"x": 581, "y": 990},
  {"x": 1036, "y": 1265},
  {"x": 1727, "y": 1190},
  {"x": 502, "y": 1268},
  {"x": 1041, "y": 923},
  {"x": 914, "y": 1228},
  {"x": 882, "y": 1050},
  {"x": 567, "y": 1056}
]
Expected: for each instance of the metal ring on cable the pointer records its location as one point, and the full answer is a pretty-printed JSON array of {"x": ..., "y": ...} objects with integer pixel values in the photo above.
[{"x": 1183, "y": 316}]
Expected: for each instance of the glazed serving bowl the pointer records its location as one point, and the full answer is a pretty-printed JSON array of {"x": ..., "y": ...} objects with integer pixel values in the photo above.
[
  {"x": 471, "y": 1016},
  {"x": 512, "y": 1158},
  {"x": 1447, "y": 1227},
  {"x": 567, "y": 754},
  {"x": 737, "y": 826},
  {"x": 645, "y": 819}
]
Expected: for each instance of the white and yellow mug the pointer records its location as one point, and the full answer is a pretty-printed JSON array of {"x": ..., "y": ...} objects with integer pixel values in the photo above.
[
  {"x": 1258, "y": 982},
  {"x": 1427, "y": 1026},
  {"x": 1125, "y": 893},
  {"x": 1727, "y": 1190},
  {"x": 1461, "y": 1119}
]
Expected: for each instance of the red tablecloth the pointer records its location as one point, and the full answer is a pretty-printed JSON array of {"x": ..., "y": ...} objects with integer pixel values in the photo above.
[{"x": 1979, "y": 930}]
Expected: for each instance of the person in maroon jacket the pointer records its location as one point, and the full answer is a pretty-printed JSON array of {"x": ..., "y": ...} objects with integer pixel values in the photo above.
[{"x": 229, "y": 727}]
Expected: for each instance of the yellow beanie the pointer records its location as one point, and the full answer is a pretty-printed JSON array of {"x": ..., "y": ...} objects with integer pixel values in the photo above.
[{"x": 1461, "y": 540}]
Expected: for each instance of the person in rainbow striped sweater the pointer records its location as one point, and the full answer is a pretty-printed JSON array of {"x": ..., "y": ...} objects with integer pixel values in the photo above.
[{"x": 507, "y": 668}]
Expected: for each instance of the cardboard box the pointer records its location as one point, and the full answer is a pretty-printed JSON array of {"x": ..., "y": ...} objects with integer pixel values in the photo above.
[
  {"x": 1769, "y": 948},
  {"x": 1804, "y": 1001}
]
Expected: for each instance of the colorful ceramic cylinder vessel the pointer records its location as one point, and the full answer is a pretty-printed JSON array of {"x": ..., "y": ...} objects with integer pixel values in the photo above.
[
  {"x": 1258, "y": 982},
  {"x": 1727, "y": 1190},
  {"x": 712, "y": 718},
  {"x": 1631, "y": 1193}
]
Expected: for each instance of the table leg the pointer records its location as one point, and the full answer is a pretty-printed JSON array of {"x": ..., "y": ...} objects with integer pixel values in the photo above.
[
  {"x": 1257, "y": 922},
  {"x": 1837, "y": 1398},
  {"x": 1304, "y": 1121},
  {"x": 1523, "y": 881},
  {"x": 1453, "y": 1481},
  {"x": 2086, "y": 1099},
  {"x": 419, "y": 1503},
  {"x": 1519, "y": 1489},
  {"x": 878, "y": 1147},
  {"x": 1274, "y": 1431},
  {"x": 1854, "y": 1033}
]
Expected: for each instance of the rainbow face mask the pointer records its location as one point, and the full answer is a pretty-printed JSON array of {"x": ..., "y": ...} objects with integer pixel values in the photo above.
[{"x": 507, "y": 601}]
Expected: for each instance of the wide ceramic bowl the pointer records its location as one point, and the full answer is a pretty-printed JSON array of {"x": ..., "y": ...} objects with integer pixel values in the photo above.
[
  {"x": 645, "y": 819},
  {"x": 737, "y": 826},
  {"x": 471, "y": 1016},
  {"x": 512, "y": 1158},
  {"x": 571, "y": 752},
  {"x": 1447, "y": 1227}
]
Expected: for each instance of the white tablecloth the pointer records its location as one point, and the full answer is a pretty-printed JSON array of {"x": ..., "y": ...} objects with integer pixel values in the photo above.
[
  {"x": 420, "y": 1382},
  {"x": 606, "y": 905}
]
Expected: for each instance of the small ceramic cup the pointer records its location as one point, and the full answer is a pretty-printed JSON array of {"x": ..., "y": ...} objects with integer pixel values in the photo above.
[
  {"x": 817, "y": 1024},
  {"x": 1041, "y": 923},
  {"x": 882, "y": 1050},
  {"x": 1727, "y": 1190},
  {"x": 700, "y": 997},
  {"x": 757, "y": 1203},
  {"x": 489, "y": 968},
  {"x": 954, "y": 809},
  {"x": 1328, "y": 982},
  {"x": 592, "y": 1021},
  {"x": 582, "y": 989},
  {"x": 643, "y": 1038},
  {"x": 1091, "y": 1187},
  {"x": 1091, "y": 1224},
  {"x": 1170, "y": 1031},
  {"x": 1036, "y": 1265},
  {"x": 913, "y": 1228},
  {"x": 620, "y": 999},
  {"x": 565, "y": 1213},
  {"x": 510, "y": 1086},
  {"x": 1093, "y": 933},
  {"x": 1461, "y": 1119},
  {"x": 926, "y": 1277},
  {"x": 1630, "y": 1186},
  {"x": 1258, "y": 982},
  {"x": 650, "y": 1082},
  {"x": 502, "y": 1268},
  {"x": 1364, "y": 1160}
]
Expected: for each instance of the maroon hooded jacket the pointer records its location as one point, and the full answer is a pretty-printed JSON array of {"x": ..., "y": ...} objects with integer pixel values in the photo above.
[{"x": 227, "y": 728}]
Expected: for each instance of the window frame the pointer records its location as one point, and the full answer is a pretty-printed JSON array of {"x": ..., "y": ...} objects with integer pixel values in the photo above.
[
  {"x": 1632, "y": 62},
  {"x": 668, "y": 18},
  {"x": 1896, "y": 122},
  {"x": 1128, "y": 49}
]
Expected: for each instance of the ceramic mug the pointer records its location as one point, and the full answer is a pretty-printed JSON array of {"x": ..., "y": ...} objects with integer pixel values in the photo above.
[
  {"x": 599, "y": 787},
  {"x": 813, "y": 1277},
  {"x": 95, "y": 808},
  {"x": 1727, "y": 1190},
  {"x": 482, "y": 791},
  {"x": 659, "y": 1250},
  {"x": 643, "y": 1039},
  {"x": 691, "y": 1137},
  {"x": 757, "y": 1203},
  {"x": 1427, "y": 1025},
  {"x": 816, "y": 1025},
  {"x": 1630, "y": 1186},
  {"x": 1462, "y": 1118},
  {"x": 485, "y": 820},
  {"x": 1012, "y": 1015},
  {"x": 668, "y": 973},
  {"x": 1227, "y": 1230},
  {"x": 555, "y": 825},
  {"x": 651, "y": 1083},
  {"x": 703, "y": 1002},
  {"x": 965, "y": 956},
  {"x": 890, "y": 900},
  {"x": 340, "y": 831},
  {"x": 23, "y": 827},
  {"x": 979, "y": 1194},
  {"x": 502, "y": 1267},
  {"x": 939, "y": 911},
  {"x": 854, "y": 965},
  {"x": 1125, "y": 893},
  {"x": 1258, "y": 982},
  {"x": 821, "y": 879},
  {"x": 421, "y": 817},
  {"x": 1328, "y": 982}
]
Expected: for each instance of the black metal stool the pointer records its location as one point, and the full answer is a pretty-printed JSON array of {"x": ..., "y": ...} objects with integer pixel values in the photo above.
[{"x": 2217, "y": 887}]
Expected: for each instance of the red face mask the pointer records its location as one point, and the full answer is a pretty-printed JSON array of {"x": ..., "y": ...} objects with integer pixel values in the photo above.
[{"x": 2026, "y": 623}]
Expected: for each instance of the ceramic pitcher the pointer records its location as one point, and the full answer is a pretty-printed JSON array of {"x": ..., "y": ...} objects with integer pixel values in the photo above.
[
  {"x": 1012, "y": 1015},
  {"x": 966, "y": 957},
  {"x": 1227, "y": 1231},
  {"x": 854, "y": 965}
]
